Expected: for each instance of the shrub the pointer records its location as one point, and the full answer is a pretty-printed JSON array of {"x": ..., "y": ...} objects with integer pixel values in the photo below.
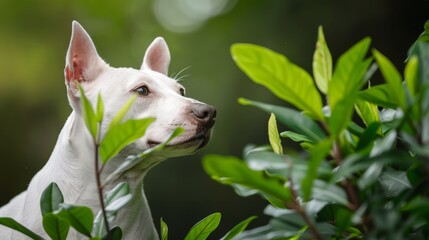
[{"x": 364, "y": 165}]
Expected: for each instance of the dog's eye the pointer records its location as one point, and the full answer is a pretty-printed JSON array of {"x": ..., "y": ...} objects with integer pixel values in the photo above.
[
  {"x": 142, "y": 91},
  {"x": 182, "y": 91}
]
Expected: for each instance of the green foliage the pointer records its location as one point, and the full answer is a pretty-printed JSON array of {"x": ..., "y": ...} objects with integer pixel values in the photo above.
[
  {"x": 364, "y": 166},
  {"x": 202, "y": 229}
]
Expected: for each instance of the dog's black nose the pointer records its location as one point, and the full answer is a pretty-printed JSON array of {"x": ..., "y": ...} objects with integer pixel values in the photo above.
[{"x": 204, "y": 113}]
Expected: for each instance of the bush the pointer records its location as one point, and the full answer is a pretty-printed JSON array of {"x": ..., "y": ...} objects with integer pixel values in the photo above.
[{"x": 364, "y": 166}]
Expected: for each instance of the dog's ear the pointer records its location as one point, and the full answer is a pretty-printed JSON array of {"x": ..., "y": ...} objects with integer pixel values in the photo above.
[
  {"x": 82, "y": 60},
  {"x": 157, "y": 56}
]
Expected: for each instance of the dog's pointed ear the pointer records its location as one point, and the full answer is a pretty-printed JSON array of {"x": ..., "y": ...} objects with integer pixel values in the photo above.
[
  {"x": 82, "y": 60},
  {"x": 157, "y": 56}
]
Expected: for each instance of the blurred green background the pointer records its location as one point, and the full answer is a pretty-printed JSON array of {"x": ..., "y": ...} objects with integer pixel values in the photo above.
[{"x": 34, "y": 37}]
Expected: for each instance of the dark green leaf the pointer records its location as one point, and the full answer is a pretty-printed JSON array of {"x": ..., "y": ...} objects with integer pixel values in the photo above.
[
  {"x": 51, "y": 199},
  {"x": 273, "y": 134},
  {"x": 122, "y": 134},
  {"x": 88, "y": 113},
  {"x": 115, "y": 234},
  {"x": 317, "y": 155},
  {"x": 11, "y": 223},
  {"x": 394, "y": 182},
  {"x": 55, "y": 227},
  {"x": 368, "y": 136},
  {"x": 322, "y": 63},
  {"x": 204, "y": 228},
  {"x": 79, "y": 217},
  {"x": 164, "y": 230},
  {"x": 237, "y": 229},
  {"x": 285, "y": 79},
  {"x": 231, "y": 170},
  {"x": 296, "y": 121}
]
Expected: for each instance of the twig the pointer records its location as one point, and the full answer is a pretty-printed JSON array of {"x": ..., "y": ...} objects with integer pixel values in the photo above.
[
  {"x": 301, "y": 211},
  {"x": 99, "y": 186}
]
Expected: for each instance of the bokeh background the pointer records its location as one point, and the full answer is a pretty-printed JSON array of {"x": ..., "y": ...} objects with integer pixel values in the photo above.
[{"x": 34, "y": 37}]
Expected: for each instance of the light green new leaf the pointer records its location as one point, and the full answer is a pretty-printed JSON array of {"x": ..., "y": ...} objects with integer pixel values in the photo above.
[
  {"x": 100, "y": 109},
  {"x": 237, "y": 229},
  {"x": 273, "y": 135},
  {"x": 122, "y": 134},
  {"x": 203, "y": 228},
  {"x": 283, "y": 78},
  {"x": 411, "y": 73},
  {"x": 121, "y": 113},
  {"x": 368, "y": 112},
  {"x": 349, "y": 73},
  {"x": 392, "y": 77},
  {"x": 231, "y": 170},
  {"x": 11, "y": 223},
  {"x": 51, "y": 199},
  {"x": 79, "y": 217},
  {"x": 88, "y": 113},
  {"x": 164, "y": 230},
  {"x": 295, "y": 120},
  {"x": 55, "y": 227},
  {"x": 322, "y": 63},
  {"x": 317, "y": 155},
  {"x": 379, "y": 95},
  {"x": 296, "y": 137}
]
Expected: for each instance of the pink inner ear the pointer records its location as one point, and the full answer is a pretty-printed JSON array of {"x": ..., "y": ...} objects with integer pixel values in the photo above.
[
  {"x": 78, "y": 68},
  {"x": 157, "y": 59}
]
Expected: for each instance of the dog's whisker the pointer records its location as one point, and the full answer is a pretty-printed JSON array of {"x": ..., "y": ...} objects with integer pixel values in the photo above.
[{"x": 177, "y": 75}]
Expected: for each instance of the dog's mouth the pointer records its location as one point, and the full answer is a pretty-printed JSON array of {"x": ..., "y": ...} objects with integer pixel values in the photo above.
[{"x": 201, "y": 139}]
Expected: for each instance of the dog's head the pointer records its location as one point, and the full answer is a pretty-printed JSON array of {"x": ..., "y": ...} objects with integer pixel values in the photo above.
[{"x": 159, "y": 96}]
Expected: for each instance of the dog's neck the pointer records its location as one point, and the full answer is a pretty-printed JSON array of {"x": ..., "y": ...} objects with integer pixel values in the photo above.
[{"x": 75, "y": 152}]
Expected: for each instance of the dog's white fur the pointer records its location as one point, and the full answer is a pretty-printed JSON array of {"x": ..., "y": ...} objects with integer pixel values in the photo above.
[{"x": 71, "y": 164}]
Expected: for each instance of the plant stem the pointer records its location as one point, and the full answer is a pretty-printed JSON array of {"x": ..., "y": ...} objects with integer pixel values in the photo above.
[
  {"x": 100, "y": 190},
  {"x": 301, "y": 211}
]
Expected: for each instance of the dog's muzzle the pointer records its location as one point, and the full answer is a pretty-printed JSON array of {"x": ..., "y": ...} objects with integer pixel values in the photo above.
[{"x": 205, "y": 117}]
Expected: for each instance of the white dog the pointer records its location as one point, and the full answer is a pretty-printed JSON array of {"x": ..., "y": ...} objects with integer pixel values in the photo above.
[{"x": 71, "y": 164}]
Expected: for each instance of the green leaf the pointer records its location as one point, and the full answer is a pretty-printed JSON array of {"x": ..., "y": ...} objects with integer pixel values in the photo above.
[
  {"x": 296, "y": 121},
  {"x": 348, "y": 73},
  {"x": 55, "y": 227},
  {"x": 88, "y": 113},
  {"x": 368, "y": 112},
  {"x": 51, "y": 199},
  {"x": 394, "y": 182},
  {"x": 115, "y": 234},
  {"x": 392, "y": 77},
  {"x": 231, "y": 170},
  {"x": 237, "y": 229},
  {"x": 296, "y": 137},
  {"x": 100, "y": 109},
  {"x": 379, "y": 95},
  {"x": 121, "y": 113},
  {"x": 164, "y": 230},
  {"x": 203, "y": 228},
  {"x": 317, "y": 155},
  {"x": 79, "y": 217},
  {"x": 283, "y": 78},
  {"x": 348, "y": 77},
  {"x": 368, "y": 136},
  {"x": 273, "y": 134},
  {"x": 11, "y": 223},
  {"x": 322, "y": 63},
  {"x": 411, "y": 76},
  {"x": 122, "y": 134},
  {"x": 133, "y": 160}
]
